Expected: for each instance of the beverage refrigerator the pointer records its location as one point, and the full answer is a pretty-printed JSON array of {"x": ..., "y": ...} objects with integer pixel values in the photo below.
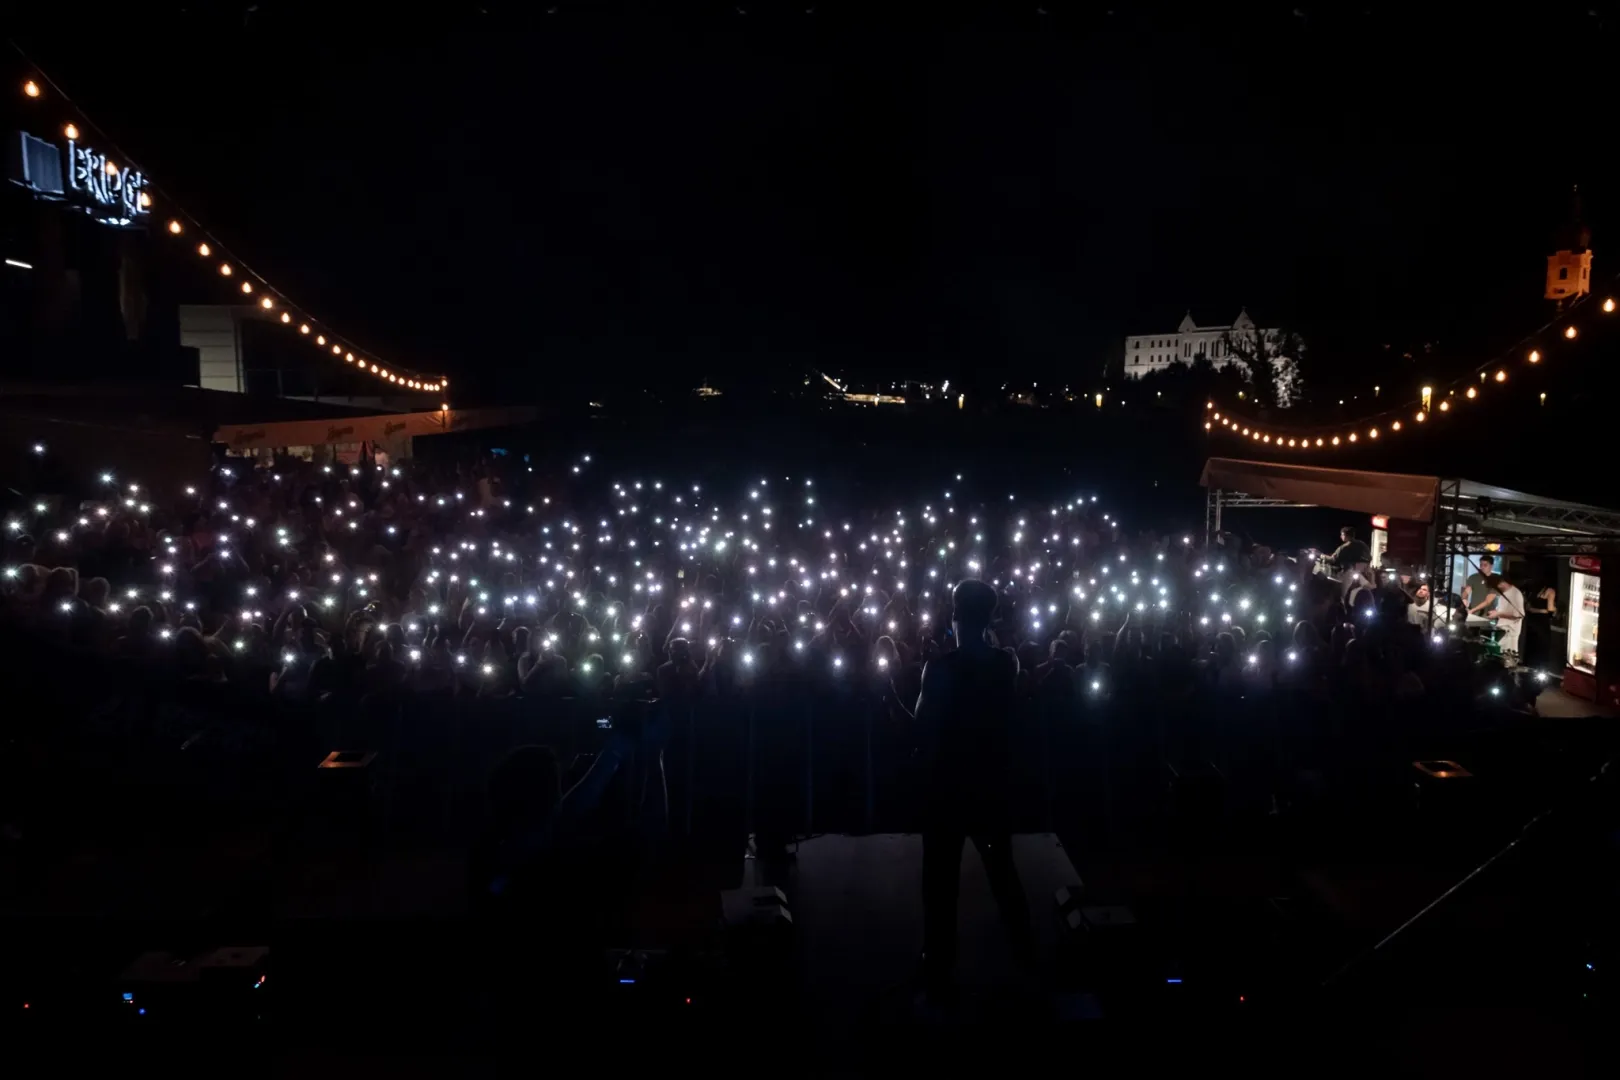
[{"x": 1581, "y": 646}]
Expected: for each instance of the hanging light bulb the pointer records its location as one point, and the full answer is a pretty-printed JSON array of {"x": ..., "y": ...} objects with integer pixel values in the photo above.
[
  {"x": 1421, "y": 416},
  {"x": 144, "y": 199},
  {"x": 337, "y": 350},
  {"x": 1472, "y": 393},
  {"x": 1535, "y": 357},
  {"x": 1501, "y": 376},
  {"x": 112, "y": 169},
  {"x": 1372, "y": 434},
  {"x": 1608, "y": 305},
  {"x": 71, "y": 131},
  {"x": 1544, "y": 393},
  {"x": 1569, "y": 332},
  {"x": 247, "y": 286},
  {"x": 31, "y": 89},
  {"x": 286, "y": 318},
  {"x": 1319, "y": 441},
  {"x": 320, "y": 339},
  {"x": 175, "y": 227},
  {"x": 204, "y": 250},
  {"x": 1352, "y": 436},
  {"x": 1396, "y": 426},
  {"x": 1445, "y": 406},
  {"x": 225, "y": 269},
  {"x": 1335, "y": 440},
  {"x": 303, "y": 328}
]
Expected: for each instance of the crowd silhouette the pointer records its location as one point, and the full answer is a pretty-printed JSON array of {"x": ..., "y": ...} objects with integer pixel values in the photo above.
[{"x": 583, "y": 674}]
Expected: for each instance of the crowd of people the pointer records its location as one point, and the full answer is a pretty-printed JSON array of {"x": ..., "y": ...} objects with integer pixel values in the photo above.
[
  {"x": 305, "y": 580},
  {"x": 640, "y": 598}
]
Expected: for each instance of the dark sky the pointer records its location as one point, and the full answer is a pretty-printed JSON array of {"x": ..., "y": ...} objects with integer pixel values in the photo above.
[{"x": 602, "y": 196}]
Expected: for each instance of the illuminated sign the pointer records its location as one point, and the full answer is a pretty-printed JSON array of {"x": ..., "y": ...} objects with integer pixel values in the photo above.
[
  {"x": 121, "y": 192},
  {"x": 81, "y": 176},
  {"x": 1380, "y": 521}
]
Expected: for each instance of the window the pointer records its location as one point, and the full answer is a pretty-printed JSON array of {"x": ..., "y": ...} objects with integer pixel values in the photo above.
[{"x": 1563, "y": 273}]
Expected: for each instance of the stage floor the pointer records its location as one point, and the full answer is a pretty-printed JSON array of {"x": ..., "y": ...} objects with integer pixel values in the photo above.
[{"x": 856, "y": 903}]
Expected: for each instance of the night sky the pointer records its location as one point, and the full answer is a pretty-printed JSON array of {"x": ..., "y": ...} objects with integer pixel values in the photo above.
[{"x": 601, "y": 195}]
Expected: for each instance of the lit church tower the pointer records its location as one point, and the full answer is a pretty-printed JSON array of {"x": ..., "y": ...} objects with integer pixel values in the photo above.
[{"x": 1569, "y": 267}]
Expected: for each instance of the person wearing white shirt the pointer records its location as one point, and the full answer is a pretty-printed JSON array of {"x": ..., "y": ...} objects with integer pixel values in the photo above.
[{"x": 1508, "y": 613}]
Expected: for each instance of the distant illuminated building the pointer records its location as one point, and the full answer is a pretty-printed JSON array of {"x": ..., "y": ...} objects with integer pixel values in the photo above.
[
  {"x": 842, "y": 392},
  {"x": 1144, "y": 355},
  {"x": 1569, "y": 267}
]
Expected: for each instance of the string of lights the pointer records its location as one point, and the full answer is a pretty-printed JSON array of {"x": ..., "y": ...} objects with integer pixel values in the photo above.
[
  {"x": 1530, "y": 351},
  {"x": 249, "y": 285}
]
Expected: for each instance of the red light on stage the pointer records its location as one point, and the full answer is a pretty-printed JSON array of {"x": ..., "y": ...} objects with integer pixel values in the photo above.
[{"x": 1380, "y": 521}]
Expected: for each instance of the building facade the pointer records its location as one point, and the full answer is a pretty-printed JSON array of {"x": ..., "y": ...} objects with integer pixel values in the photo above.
[{"x": 1156, "y": 352}]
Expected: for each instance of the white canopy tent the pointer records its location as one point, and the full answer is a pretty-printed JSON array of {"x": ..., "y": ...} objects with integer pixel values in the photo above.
[
  {"x": 1465, "y": 511},
  {"x": 1462, "y": 516},
  {"x": 1233, "y": 482}
]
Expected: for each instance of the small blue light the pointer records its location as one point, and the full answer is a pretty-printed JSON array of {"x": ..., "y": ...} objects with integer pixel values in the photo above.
[
  {"x": 627, "y": 982},
  {"x": 131, "y": 997},
  {"x": 1588, "y": 967},
  {"x": 141, "y": 1012},
  {"x": 1175, "y": 981}
]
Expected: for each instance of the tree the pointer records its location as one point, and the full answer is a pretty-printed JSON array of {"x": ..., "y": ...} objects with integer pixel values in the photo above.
[
  {"x": 1194, "y": 382},
  {"x": 1271, "y": 361}
]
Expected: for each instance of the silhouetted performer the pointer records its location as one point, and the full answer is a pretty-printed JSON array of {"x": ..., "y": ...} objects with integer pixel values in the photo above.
[{"x": 965, "y": 713}]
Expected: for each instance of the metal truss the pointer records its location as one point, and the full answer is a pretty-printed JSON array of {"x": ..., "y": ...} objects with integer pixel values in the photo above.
[{"x": 1470, "y": 519}]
